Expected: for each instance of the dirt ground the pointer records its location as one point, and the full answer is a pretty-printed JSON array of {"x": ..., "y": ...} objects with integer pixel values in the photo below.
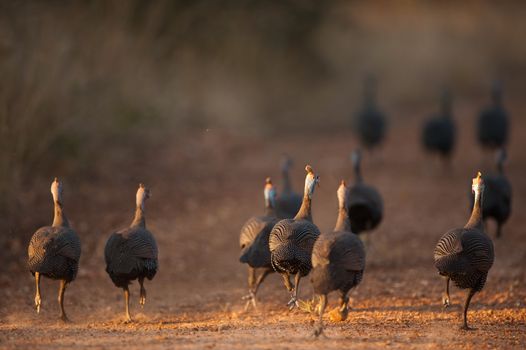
[{"x": 206, "y": 185}]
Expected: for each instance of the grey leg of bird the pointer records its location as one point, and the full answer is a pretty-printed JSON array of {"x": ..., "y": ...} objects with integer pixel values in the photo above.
[
  {"x": 61, "y": 292},
  {"x": 127, "y": 303},
  {"x": 142, "y": 299},
  {"x": 38, "y": 300},
  {"x": 499, "y": 227},
  {"x": 286, "y": 280},
  {"x": 466, "y": 306},
  {"x": 251, "y": 281},
  {"x": 445, "y": 296},
  {"x": 294, "y": 300},
  {"x": 344, "y": 306},
  {"x": 255, "y": 288},
  {"x": 318, "y": 329}
]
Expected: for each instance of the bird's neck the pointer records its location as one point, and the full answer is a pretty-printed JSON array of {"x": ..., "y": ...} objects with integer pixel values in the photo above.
[
  {"x": 475, "y": 221},
  {"x": 358, "y": 173},
  {"x": 343, "y": 223},
  {"x": 59, "y": 218},
  {"x": 139, "y": 220},
  {"x": 305, "y": 210},
  {"x": 269, "y": 209},
  {"x": 287, "y": 187}
]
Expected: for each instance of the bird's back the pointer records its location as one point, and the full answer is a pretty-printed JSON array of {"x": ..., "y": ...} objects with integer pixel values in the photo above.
[
  {"x": 497, "y": 198},
  {"x": 254, "y": 241},
  {"x": 365, "y": 207},
  {"x": 439, "y": 135},
  {"x": 465, "y": 255},
  {"x": 55, "y": 252},
  {"x": 131, "y": 253},
  {"x": 371, "y": 126},
  {"x": 291, "y": 242},
  {"x": 493, "y": 127}
]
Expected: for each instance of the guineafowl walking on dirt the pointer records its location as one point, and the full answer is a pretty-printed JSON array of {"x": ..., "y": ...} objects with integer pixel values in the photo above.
[
  {"x": 338, "y": 261},
  {"x": 291, "y": 241},
  {"x": 365, "y": 204},
  {"x": 370, "y": 121},
  {"x": 465, "y": 255},
  {"x": 132, "y": 253},
  {"x": 54, "y": 251},
  {"x": 497, "y": 195},
  {"x": 438, "y": 134},
  {"x": 493, "y": 122},
  {"x": 253, "y": 241},
  {"x": 288, "y": 202}
]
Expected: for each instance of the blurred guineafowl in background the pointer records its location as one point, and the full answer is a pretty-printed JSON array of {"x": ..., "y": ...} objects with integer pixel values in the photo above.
[
  {"x": 438, "y": 134},
  {"x": 493, "y": 123},
  {"x": 253, "y": 241},
  {"x": 370, "y": 122},
  {"x": 288, "y": 202},
  {"x": 365, "y": 205},
  {"x": 465, "y": 255},
  {"x": 497, "y": 195},
  {"x": 291, "y": 241},
  {"x": 54, "y": 251},
  {"x": 132, "y": 253},
  {"x": 338, "y": 261}
]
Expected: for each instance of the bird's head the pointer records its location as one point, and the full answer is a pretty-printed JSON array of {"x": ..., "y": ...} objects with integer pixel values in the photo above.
[
  {"x": 342, "y": 194},
  {"x": 56, "y": 190},
  {"x": 477, "y": 185},
  {"x": 270, "y": 193},
  {"x": 143, "y": 194},
  {"x": 311, "y": 180}
]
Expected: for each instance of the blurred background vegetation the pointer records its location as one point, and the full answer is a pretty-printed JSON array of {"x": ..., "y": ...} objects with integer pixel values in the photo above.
[{"x": 81, "y": 81}]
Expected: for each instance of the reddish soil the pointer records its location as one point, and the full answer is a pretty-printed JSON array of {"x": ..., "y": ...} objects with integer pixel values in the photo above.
[{"x": 205, "y": 186}]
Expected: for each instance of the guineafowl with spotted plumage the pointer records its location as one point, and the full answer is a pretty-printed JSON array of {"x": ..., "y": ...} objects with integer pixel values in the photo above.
[
  {"x": 132, "y": 253},
  {"x": 288, "y": 202},
  {"x": 497, "y": 195},
  {"x": 254, "y": 243},
  {"x": 338, "y": 261},
  {"x": 370, "y": 121},
  {"x": 438, "y": 134},
  {"x": 365, "y": 204},
  {"x": 465, "y": 255},
  {"x": 291, "y": 241},
  {"x": 493, "y": 122},
  {"x": 54, "y": 251}
]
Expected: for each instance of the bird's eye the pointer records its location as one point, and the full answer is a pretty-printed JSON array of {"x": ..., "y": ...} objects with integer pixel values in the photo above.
[{"x": 243, "y": 246}]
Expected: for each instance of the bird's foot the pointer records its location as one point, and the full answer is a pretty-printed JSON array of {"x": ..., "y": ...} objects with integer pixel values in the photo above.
[
  {"x": 38, "y": 303},
  {"x": 293, "y": 302},
  {"x": 465, "y": 327},
  {"x": 251, "y": 300},
  {"x": 64, "y": 318},
  {"x": 128, "y": 319},
  {"x": 142, "y": 300},
  {"x": 318, "y": 330},
  {"x": 445, "y": 301}
]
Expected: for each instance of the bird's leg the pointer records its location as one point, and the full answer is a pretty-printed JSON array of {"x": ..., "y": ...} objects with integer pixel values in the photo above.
[
  {"x": 251, "y": 281},
  {"x": 254, "y": 289},
  {"x": 38, "y": 300},
  {"x": 466, "y": 306},
  {"x": 293, "y": 302},
  {"x": 142, "y": 299},
  {"x": 318, "y": 329},
  {"x": 445, "y": 296},
  {"x": 127, "y": 303},
  {"x": 61, "y": 292},
  {"x": 344, "y": 306},
  {"x": 498, "y": 229}
]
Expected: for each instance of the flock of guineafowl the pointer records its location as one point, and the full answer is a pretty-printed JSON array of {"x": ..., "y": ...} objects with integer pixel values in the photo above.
[{"x": 286, "y": 240}]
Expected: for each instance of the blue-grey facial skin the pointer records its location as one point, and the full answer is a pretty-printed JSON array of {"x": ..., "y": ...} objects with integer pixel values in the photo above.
[{"x": 270, "y": 196}]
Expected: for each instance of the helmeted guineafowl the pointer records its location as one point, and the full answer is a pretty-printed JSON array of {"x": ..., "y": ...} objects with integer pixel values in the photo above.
[
  {"x": 493, "y": 122},
  {"x": 497, "y": 195},
  {"x": 438, "y": 133},
  {"x": 365, "y": 204},
  {"x": 253, "y": 241},
  {"x": 132, "y": 253},
  {"x": 288, "y": 202},
  {"x": 54, "y": 251},
  {"x": 338, "y": 261},
  {"x": 291, "y": 241},
  {"x": 370, "y": 121},
  {"x": 465, "y": 255}
]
